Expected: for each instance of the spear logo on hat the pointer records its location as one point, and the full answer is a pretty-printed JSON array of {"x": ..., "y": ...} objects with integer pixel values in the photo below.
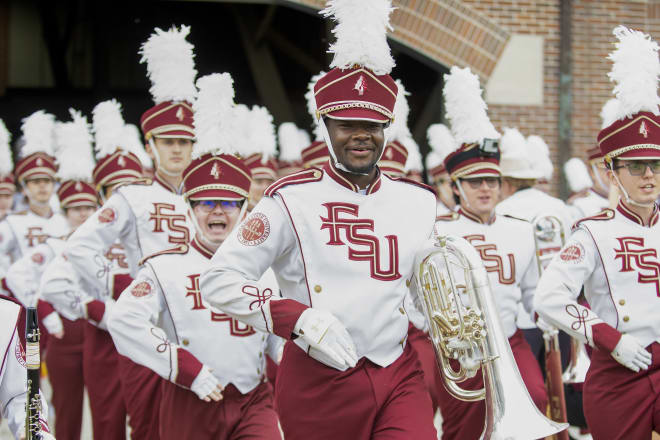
[
  {"x": 179, "y": 114},
  {"x": 360, "y": 85},
  {"x": 215, "y": 171},
  {"x": 643, "y": 130}
]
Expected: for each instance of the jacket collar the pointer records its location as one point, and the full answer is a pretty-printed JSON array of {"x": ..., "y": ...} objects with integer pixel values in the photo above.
[
  {"x": 201, "y": 248},
  {"x": 630, "y": 215},
  {"x": 332, "y": 172},
  {"x": 166, "y": 185},
  {"x": 474, "y": 217}
]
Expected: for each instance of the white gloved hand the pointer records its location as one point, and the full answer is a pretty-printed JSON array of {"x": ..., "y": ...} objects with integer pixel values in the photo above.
[
  {"x": 103, "y": 325},
  {"x": 328, "y": 340},
  {"x": 630, "y": 353},
  {"x": 206, "y": 386},
  {"x": 469, "y": 358},
  {"x": 53, "y": 324}
]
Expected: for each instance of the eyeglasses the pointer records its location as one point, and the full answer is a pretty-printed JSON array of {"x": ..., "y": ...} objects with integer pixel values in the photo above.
[
  {"x": 491, "y": 182},
  {"x": 226, "y": 205},
  {"x": 638, "y": 167}
]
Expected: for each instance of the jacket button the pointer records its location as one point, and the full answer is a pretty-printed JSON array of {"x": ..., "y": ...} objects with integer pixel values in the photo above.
[
  {"x": 185, "y": 342},
  {"x": 317, "y": 289},
  {"x": 403, "y": 312},
  {"x": 622, "y": 302},
  {"x": 626, "y": 318},
  {"x": 407, "y": 283}
]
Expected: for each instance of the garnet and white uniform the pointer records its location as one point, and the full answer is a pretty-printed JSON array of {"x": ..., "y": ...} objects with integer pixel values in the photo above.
[
  {"x": 145, "y": 218},
  {"x": 614, "y": 255},
  {"x": 336, "y": 248},
  {"x": 506, "y": 246},
  {"x": 162, "y": 322}
]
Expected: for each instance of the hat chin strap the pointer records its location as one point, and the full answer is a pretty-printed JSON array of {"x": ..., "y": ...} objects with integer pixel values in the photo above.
[
  {"x": 627, "y": 197},
  {"x": 339, "y": 165},
  {"x": 459, "y": 185},
  {"x": 600, "y": 182},
  {"x": 160, "y": 169}
]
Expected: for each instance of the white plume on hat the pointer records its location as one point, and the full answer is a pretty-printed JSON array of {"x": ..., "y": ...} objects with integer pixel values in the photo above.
[
  {"x": 635, "y": 72},
  {"x": 6, "y": 160},
  {"x": 215, "y": 117},
  {"x": 414, "y": 160},
  {"x": 361, "y": 33},
  {"x": 170, "y": 65},
  {"x": 610, "y": 112},
  {"x": 515, "y": 160},
  {"x": 304, "y": 138},
  {"x": 38, "y": 131},
  {"x": 262, "y": 133},
  {"x": 442, "y": 143},
  {"x": 108, "y": 128},
  {"x": 465, "y": 108},
  {"x": 539, "y": 153},
  {"x": 132, "y": 142},
  {"x": 577, "y": 175},
  {"x": 399, "y": 130},
  {"x": 74, "y": 152},
  {"x": 311, "y": 105},
  {"x": 290, "y": 141}
]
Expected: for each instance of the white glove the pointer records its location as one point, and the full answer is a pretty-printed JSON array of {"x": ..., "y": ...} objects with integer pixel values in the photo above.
[
  {"x": 469, "y": 358},
  {"x": 53, "y": 324},
  {"x": 206, "y": 386},
  {"x": 103, "y": 325},
  {"x": 329, "y": 342},
  {"x": 630, "y": 353}
]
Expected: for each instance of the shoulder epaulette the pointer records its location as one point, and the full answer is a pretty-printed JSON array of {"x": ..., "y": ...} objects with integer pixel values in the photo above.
[
  {"x": 416, "y": 183},
  {"x": 180, "y": 249},
  {"x": 515, "y": 218},
  {"x": 304, "y": 176},
  {"x": 142, "y": 181},
  {"x": 605, "y": 214},
  {"x": 449, "y": 217}
]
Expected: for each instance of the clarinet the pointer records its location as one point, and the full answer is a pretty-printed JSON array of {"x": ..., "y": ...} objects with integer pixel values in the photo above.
[{"x": 33, "y": 362}]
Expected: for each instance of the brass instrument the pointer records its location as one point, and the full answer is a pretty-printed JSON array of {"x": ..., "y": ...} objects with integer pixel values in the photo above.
[
  {"x": 549, "y": 238},
  {"x": 474, "y": 333},
  {"x": 33, "y": 363}
]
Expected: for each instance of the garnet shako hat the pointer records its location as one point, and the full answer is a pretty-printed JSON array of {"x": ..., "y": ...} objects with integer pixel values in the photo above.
[
  {"x": 632, "y": 127},
  {"x": 171, "y": 69},
  {"x": 315, "y": 155},
  {"x": 7, "y": 186},
  {"x": 216, "y": 171},
  {"x": 115, "y": 163},
  {"x": 37, "y": 159},
  {"x": 76, "y": 161},
  {"x": 478, "y": 154}
]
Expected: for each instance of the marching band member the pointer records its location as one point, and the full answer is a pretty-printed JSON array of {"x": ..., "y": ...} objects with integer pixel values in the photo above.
[
  {"x": 213, "y": 364},
  {"x": 442, "y": 143},
  {"x": 316, "y": 154},
  {"x": 395, "y": 155},
  {"x": 148, "y": 217},
  {"x": 262, "y": 146},
  {"x": 614, "y": 255},
  {"x": 505, "y": 243},
  {"x": 341, "y": 255},
  {"x": 579, "y": 183},
  {"x": 78, "y": 199},
  {"x": 36, "y": 174}
]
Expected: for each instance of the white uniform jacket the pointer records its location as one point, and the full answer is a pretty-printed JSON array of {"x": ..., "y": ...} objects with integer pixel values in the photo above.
[
  {"x": 615, "y": 256},
  {"x": 145, "y": 217},
  {"x": 591, "y": 203},
  {"x": 506, "y": 247},
  {"x": 332, "y": 247},
  {"x": 23, "y": 230},
  {"x": 13, "y": 374},
  {"x": 163, "y": 323}
]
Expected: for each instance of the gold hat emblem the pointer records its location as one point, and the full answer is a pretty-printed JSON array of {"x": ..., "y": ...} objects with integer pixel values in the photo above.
[
  {"x": 643, "y": 130},
  {"x": 215, "y": 171},
  {"x": 121, "y": 161},
  {"x": 179, "y": 114},
  {"x": 79, "y": 186},
  {"x": 360, "y": 85},
  {"x": 40, "y": 162},
  {"x": 388, "y": 153}
]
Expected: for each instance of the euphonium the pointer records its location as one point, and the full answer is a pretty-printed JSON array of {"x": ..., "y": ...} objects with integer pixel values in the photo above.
[{"x": 477, "y": 331}]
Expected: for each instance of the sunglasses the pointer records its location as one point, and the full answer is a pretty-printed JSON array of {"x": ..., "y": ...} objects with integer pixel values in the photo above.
[
  {"x": 226, "y": 205},
  {"x": 491, "y": 182},
  {"x": 638, "y": 167}
]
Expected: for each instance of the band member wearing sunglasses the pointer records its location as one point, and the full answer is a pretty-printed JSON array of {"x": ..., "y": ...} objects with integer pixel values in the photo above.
[
  {"x": 614, "y": 254},
  {"x": 505, "y": 244}
]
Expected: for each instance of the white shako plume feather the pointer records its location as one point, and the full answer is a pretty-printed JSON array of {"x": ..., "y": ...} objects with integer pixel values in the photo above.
[
  {"x": 466, "y": 109},
  {"x": 635, "y": 71},
  {"x": 513, "y": 146},
  {"x": 610, "y": 112},
  {"x": 38, "y": 134},
  {"x": 311, "y": 104},
  {"x": 577, "y": 175},
  {"x": 214, "y": 117},
  {"x": 74, "y": 152},
  {"x": 6, "y": 160},
  {"x": 361, "y": 33},
  {"x": 108, "y": 127},
  {"x": 540, "y": 153},
  {"x": 289, "y": 137},
  {"x": 241, "y": 118},
  {"x": 442, "y": 143},
  {"x": 132, "y": 142},
  {"x": 262, "y": 136},
  {"x": 170, "y": 65},
  {"x": 414, "y": 160},
  {"x": 303, "y": 138},
  {"x": 399, "y": 129}
]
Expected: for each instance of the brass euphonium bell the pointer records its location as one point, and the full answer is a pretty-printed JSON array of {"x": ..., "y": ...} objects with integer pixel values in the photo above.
[{"x": 476, "y": 329}]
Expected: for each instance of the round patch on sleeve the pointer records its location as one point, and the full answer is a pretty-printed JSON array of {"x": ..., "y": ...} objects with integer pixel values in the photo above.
[
  {"x": 143, "y": 288},
  {"x": 254, "y": 230},
  {"x": 107, "y": 215},
  {"x": 573, "y": 253},
  {"x": 19, "y": 352},
  {"x": 38, "y": 258}
]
